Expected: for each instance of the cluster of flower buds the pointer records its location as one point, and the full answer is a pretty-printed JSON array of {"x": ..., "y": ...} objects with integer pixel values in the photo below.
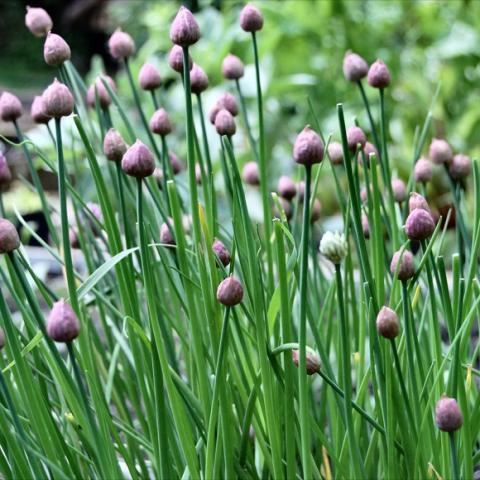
[{"x": 355, "y": 68}]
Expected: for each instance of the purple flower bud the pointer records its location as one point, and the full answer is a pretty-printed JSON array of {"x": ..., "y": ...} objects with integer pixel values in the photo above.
[
  {"x": 38, "y": 21},
  {"x": 73, "y": 238},
  {"x": 121, "y": 45},
  {"x": 55, "y": 50},
  {"x": 378, "y": 75},
  {"x": 5, "y": 174},
  {"x": 417, "y": 201},
  {"x": 230, "y": 292},
  {"x": 184, "y": 30},
  {"x": 198, "y": 174},
  {"x": 114, "y": 146},
  {"x": 286, "y": 207},
  {"x": 225, "y": 123},
  {"x": 335, "y": 153},
  {"x": 399, "y": 190},
  {"x": 419, "y": 225},
  {"x": 58, "y": 100},
  {"x": 198, "y": 80},
  {"x": 37, "y": 111},
  {"x": 9, "y": 240},
  {"x": 175, "y": 59},
  {"x": 448, "y": 416},
  {"x": 354, "y": 67},
  {"x": 423, "y": 170},
  {"x": 250, "y": 174},
  {"x": 251, "y": 19},
  {"x": 440, "y": 151},
  {"x": 149, "y": 77},
  {"x": 166, "y": 236},
  {"x": 10, "y": 107},
  {"x": 461, "y": 167},
  {"x": 365, "y": 226},
  {"x": 312, "y": 361},
  {"x": 232, "y": 67},
  {"x": 138, "y": 161},
  {"x": 387, "y": 323},
  {"x": 364, "y": 194},
  {"x": 301, "y": 190},
  {"x": 406, "y": 268},
  {"x": 213, "y": 113},
  {"x": 158, "y": 174},
  {"x": 370, "y": 149},
  {"x": 175, "y": 162},
  {"x": 316, "y": 211},
  {"x": 355, "y": 136},
  {"x": 96, "y": 211},
  {"x": 62, "y": 324},
  {"x": 2, "y": 338},
  {"x": 286, "y": 187},
  {"x": 221, "y": 251},
  {"x": 308, "y": 148},
  {"x": 160, "y": 123},
  {"x": 228, "y": 102},
  {"x": 101, "y": 91}
]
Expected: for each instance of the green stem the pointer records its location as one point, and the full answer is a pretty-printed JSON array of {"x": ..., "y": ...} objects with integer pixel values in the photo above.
[
  {"x": 243, "y": 104},
  {"x": 453, "y": 452},
  {"x": 204, "y": 134}
]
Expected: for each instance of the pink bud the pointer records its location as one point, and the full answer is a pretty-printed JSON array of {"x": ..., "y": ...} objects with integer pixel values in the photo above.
[
  {"x": 379, "y": 75},
  {"x": 62, "y": 324},
  {"x": 423, "y": 170},
  {"x": 198, "y": 80},
  {"x": 166, "y": 236},
  {"x": 228, "y": 102},
  {"x": 10, "y": 107},
  {"x": 335, "y": 153},
  {"x": 312, "y": 361},
  {"x": 221, "y": 251},
  {"x": 58, "y": 100},
  {"x": 37, "y": 111},
  {"x": 138, "y": 161},
  {"x": 440, "y": 151},
  {"x": 73, "y": 239},
  {"x": 55, "y": 50},
  {"x": 2, "y": 338},
  {"x": 114, "y": 146},
  {"x": 230, "y": 292},
  {"x": 419, "y": 225},
  {"x": 149, "y": 77},
  {"x": 406, "y": 268},
  {"x": 286, "y": 187},
  {"x": 387, "y": 323},
  {"x": 232, "y": 67},
  {"x": 101, "y": 92},
  {"x": 225, "y": 123},
  {"x": 308, "y": 147},
  {"x": 316, "y": 211},
  {"x": 286, "y": 207},
  {"x": 417, "y": 201},
  {"x": 9, "y": 240},
  {"x": 121, "y": 45},
  {"x": 213, "y": 113},
  {"x": 355, "y": 136},
  {"x": 365, "y": 226},
  {"x": 448, "y": 416},
  {"x": 399, "y": 190},
  {"x": 175, "y": 162},
  {"x": 250, "y": 173},
  {"x": 461, "y": 167},
  {"x": 160, "y": 123},
  {"x": 251, "y": 19},
  {"x": 38, "y": 21},
  {"x": 184, "y": 30},
  {"x": 5, "y": 174},
  {"x": 175, "y": 59},
  {"x": 354, "y": 67}
]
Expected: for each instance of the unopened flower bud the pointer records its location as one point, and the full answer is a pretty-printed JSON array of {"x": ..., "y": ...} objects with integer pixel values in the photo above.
[
  {"x": 184, "y": 30},
  {"x": 399, "y": 190},
  {"x": 232, "y": 67},
  {"x": 417, "y": 201},
  {"x": 364, "y": 194},
  {"x": 121, "y": 45},
  {"x": 354, "y": 67},
  {"x": 316, "y": 211},
  {"x": 286, "y": 207},
  {"x": 335, "y": 153},
  {"x": 379, "y": 75},
  {"x": 198, "y": 174},
  {"x": 221, "y": 251},
  {"x": 334, "y": 246},
  {"x": 448, "y": 416},
  {"x": 228, "y": 102},
  {"x": 37, "y": 111},
  {"x": 9, "y": 240},
  {"x": 138, "y": 161},
  {"x": 308, "y": 148},
  {"x": 38, "y": 21},
  {"x": 55, "y": 50},
  {"x": 423, "y": 170},
  {"x": 58, "y": 100},
  {"x": 461, "y": 167},
  {"x": 365, "y": 226},
  {"x": 149, "y": 77},
  {"x": 175, "y": 162},
  {"x": 370, "y": 149},
  {"x": 99, "y": 90},
  {"x": 198, "y": 80},
  {"x": 73, "y": 239},
  {"x": 312, "y": 361},
  {"x": 440, "y": 151},
  {"x": 166, "y": 235},
  {"x": 5, "y": 173},
  {"x": 62, "y": 324},
  {"x": 230, "y": 292},
  {"x": 251, "y": 19},
  {"x": 405, "y": 269},
  {"x": 96, "y": 211},
  {"x": 114, "y": 146},
  {"x": 355, "y": 137},
  {"x": 2, "y": 338},
  {"x": 213, "y": 113},
  {"x": 160, "y": 123},
  {"x": 250, "y": 173},
  {"x": 286, "y": 187},
  {"x": 419, "y": 225},
  {"x": 387, "y": 323},
  {"x": 10, "y": 107},
  {"x": 175, "y": 59},
  {"x": 225, "y": 123}
]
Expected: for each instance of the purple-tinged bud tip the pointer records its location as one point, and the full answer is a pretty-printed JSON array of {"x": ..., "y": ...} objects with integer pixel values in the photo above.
[
  {"x": 73, "y": 239},
  {"x": 448, "y": 416},
  {"x": 419, "y": 225},
  {"x": 461, "y": 167},
  {"x": 251, "y": 174},
  {"x": 166, "y": 235},
  {"x": 58, "y": 100},
  {"x": 365, "y": 226},
  {"x": 138, "y": 161},
  {"x": 175, "y": 59},
  {"x": 423, "y": 170},
  {"x": 251, "y": 19},
  {"x": 37, "y": 111},
  {"x": 232, "y": 67},
  {"x": 198, "y": 80},
  {"x": 440, "y": 151},
  {"x": 184, "y": 30},
  {"x": 160, "y": 123},
  {"x": 308, "y": 148},
  {"x": 378, "y": 75},
  {"x": 221, "y": 251},
  {"x": 10, "y": 107},
  {"x": 225, "y": 123},
  {"x": 312, "y": 361},
  {"x": 5, "y": 173},
  {"x": 38, "y": 21},
  {"x": 9, "y": 239},
  {"x": 230, "y": 292},
  {"x": 402, "y": 265},
  {"x": 62, "y": 324},
  {"x": 175, "y": 162},
  {"x": 417, "y": 201},
  {"x": 354, "y": 67},
  {"x": 55, "y": 50},
  {"x": 286, "y": 187},
  {"x": 121, "y": 45},
  {"x": 114, "y": 146},
  {"x": 387, "y": 323},
  {"x": 228, "y": 102},
  {"x": 99, "y": 89},
  {"x": 355, "y": 136},
  {"x": 399, "y": 190},
  {"x": 149, "y": 77},
  {"x": 335, "y": 153}
]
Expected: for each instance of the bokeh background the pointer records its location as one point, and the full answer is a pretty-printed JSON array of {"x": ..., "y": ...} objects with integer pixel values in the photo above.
[{"x": 426, "y": 44}]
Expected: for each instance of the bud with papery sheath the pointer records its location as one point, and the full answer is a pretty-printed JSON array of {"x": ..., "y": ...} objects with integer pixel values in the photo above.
[
  {"x": 160, "y": 123},
  {"x": 354, "y": 67},
  {"x": 228, "y": 102},
  {"x": 286, "y": 187},
  {"x": 55, "y": 50},
  {"x": 370, "y": 149},
  {"x": 5, "y": 173},
  {"x": 402, "y": 265},
  {"x": 440, "y": 151},
  {"x": 198, "y": 80},
  {"x": 232, "y": 67},
  {"x": 9, "y": 239},
  {"x": 37, "y": 111},
  {"x": 184, "y": 30},
  {"x": 10, "y": 107},
  {"x": 230, "y": 292},
  {"x": 114, "y": 146},
  {"x": 448, "y": 416},
  {"x": 221, "y": 251},
  {"x": 308, "y": 148},
  {"x": 98, "y": 89},
  {"x": 138, "y": 161},
  {"x": 121, "y": 45},
  {"x": 175, "y": 162},
  {"x": 62, "y": 324},
  {"x": 379, "y": 75},
  {"x": 399, "y": 190},
  {"x": 149, "y": 77},
  {"x": 387, "y": 323},
  {"x": 166, "y": 235},
  {"x": 312, "y": 361},
  {"x": 461, "y": 167},
  {"x": 251, "y": 19},
  {"x": 175, "y": 59},
  {"x": 58, "y": 100},
  {"x": 417, "y": 201},
  {"x": 335, "y": 153},
  {"x": 225, "y": 123},
  {"x": 419, "y": 225},
  {"x": 355, "y": 137},
  {"x": 38, "y": 21},
  {"x": 423, "y": 170},
  {"x": 251, "y": 174},
  {"x": 334, "y": 247}
]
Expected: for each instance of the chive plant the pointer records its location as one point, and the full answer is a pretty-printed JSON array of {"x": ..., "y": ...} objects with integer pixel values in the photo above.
[{"x": 198, "y": 344}]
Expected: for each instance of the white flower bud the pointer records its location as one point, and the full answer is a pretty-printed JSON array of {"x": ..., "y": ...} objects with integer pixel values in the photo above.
[{"x": 334, "y": 246}]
